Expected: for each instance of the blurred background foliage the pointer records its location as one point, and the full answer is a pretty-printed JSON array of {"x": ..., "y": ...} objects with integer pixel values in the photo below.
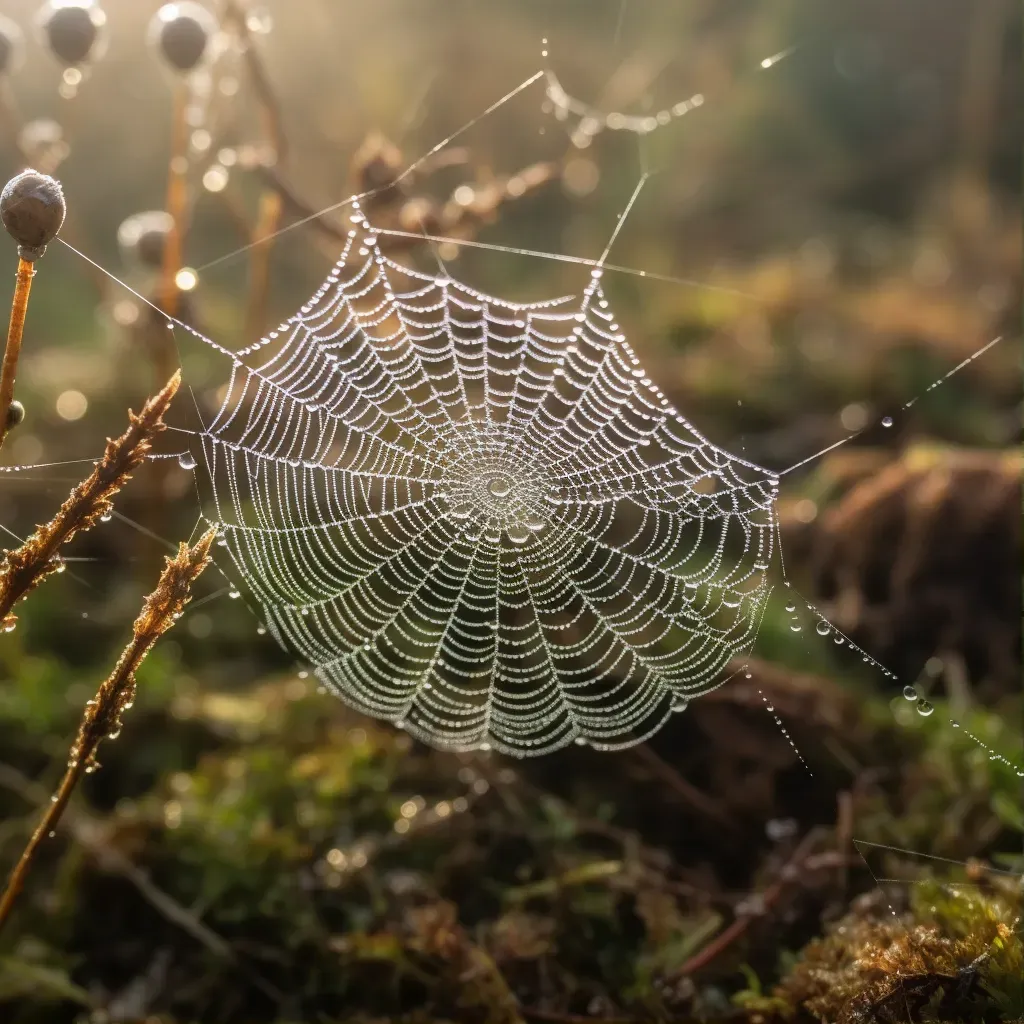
[{"x": 823, "y": 240}]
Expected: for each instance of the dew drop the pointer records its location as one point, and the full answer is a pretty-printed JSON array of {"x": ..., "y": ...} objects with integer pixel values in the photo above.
[
  {"x": 518, "y": 534},
  {"x": 187, "y": 460},
  {"x": 886, "y": 421},
  {"x": 791, "y": 607},
  {"x": 499, "y": 487},
  {"x": 795, "y": 627},
  {"x": 823, "y": 628},
  {"x": 234, "y": 595},
  {"x": 924, "y": 708},
  {"x": 909, "y": 693}
]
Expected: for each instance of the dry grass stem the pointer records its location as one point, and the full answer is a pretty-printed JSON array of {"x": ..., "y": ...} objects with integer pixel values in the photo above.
[
  {"x": 12, "y": 350},
  {"x": 23, "y": 568},
  {"x": 102, "y": 716},
  {"x": 259, "y": 267},
  {"x": 177, "y": 200}
]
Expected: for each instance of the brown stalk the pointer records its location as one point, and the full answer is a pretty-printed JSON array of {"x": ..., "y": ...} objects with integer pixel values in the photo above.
[
  {"x": 22, "y": 569},
  {"x": 270, "y": 109},
  {"x": 15, "y": 330},
  {"x": 259, "y": 266},
  {"x": 177, "y": 197},
  {"x": 102, "y": 716},
  {"x": 683, "y": 788},
  {"x": 795, "y": 869}
]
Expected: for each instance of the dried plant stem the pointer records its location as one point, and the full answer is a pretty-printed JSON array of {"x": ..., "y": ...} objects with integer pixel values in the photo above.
[
  {"x": 259, "y": 267},
  {"x": 102, "y": 716},
  {"x": 797, "y": 865},
  {"x": 44, "y": 829},
  {"x": 177, "y": 198},
  {"x": 23, "y": 568},
  {"x": 19, "y": 307}
]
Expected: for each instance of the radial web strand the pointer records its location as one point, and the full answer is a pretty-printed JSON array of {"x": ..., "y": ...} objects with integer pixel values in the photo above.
[{"x": 480, "y": 519}]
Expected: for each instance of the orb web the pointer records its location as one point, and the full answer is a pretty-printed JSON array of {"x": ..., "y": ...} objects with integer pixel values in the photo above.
[{"x": 480, "y": 519}]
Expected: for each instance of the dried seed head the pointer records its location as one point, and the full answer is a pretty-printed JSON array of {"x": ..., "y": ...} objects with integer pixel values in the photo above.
[
  {"x": 32, "y": 209},
  {"x": 15, "y": 414},
  {"x": 11, "y": 45},
  {"x": 142, "y": 237},
  {"x": 72, "y": 29},
  {"x": 182, "y": 33}
]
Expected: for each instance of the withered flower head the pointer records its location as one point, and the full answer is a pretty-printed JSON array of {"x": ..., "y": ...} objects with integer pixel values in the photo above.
[
  {"x": 32, "y": 209},
  {"x": 182, "y": 33},
  {"x": 72, "y": 29}
]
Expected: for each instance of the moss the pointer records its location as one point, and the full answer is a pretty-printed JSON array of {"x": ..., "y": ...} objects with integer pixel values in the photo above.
[{"x": 956, "y": 953}]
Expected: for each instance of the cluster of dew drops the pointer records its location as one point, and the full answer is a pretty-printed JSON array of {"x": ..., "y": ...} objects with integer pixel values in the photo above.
[{"x": 922, "y": 705}]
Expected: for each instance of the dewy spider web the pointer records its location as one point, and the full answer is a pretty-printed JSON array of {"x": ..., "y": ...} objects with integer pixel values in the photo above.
[{"x": 481, "y": 519}]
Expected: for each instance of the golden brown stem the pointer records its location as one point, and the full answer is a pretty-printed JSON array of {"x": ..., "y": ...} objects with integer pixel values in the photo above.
[
  {"x": 44, "y": 829},
  {"x": 19, "y": 307},
  {"x": 177, "y": 197},
  {"x": 259, "y": 264},
  {"x": 23, "y": 568},
  {"x": 102, "y": 715}
]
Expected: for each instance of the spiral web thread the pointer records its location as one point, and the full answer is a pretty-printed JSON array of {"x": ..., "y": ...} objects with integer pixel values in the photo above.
[{"x": 480, "y": 519}]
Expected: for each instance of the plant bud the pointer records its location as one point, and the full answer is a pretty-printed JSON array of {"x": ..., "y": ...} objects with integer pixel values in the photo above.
[
  {"x": 72, "y": 29},
  {"x": 182, "y": 33},
  {"x": 32, "y": 209}
]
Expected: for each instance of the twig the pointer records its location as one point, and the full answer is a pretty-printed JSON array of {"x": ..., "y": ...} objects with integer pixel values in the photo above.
[
  {"x": 12, "y": 350},
  {"x": 683, "y": 788},
  {"x": 87, "y": 832},
  {"x": 177, "y": 196},
  {"x": 769, "y": 898},
  {"x": 234, "y": 13},
  {"x": 22, "y": 569},
  {"x": 259, "y": 265},
  {"x": 102, "y": 716}
]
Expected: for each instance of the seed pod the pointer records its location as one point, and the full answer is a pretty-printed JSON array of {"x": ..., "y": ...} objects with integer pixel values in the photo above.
[
  {"x": 142, "y": 237},
  {"x": 32, "y": 209},
  {"x": 15, "y": 414},
  {"x": 11, "y": 45},
  {"x": 182, "y": 34},
  {"x": 72, "y": 29}
]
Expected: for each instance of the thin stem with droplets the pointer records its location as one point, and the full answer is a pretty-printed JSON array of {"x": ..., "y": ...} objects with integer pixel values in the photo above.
[
  {"x": 12, "y": 350},
  {"x": 102, "y": 716}
]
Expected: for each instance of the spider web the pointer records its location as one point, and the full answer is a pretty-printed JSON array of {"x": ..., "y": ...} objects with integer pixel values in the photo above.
[{"x": 480, "y": 519}]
